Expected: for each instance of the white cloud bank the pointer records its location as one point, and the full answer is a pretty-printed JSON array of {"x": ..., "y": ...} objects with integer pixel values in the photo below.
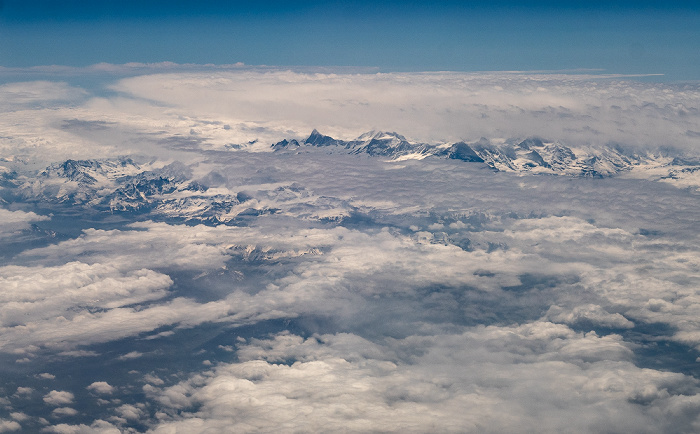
[
  {"x": 13, "y": 223},
  {"x": 538, "y": 377},
  {"x": 213, "y": 108},
  {"x": 436, "y": 106}
]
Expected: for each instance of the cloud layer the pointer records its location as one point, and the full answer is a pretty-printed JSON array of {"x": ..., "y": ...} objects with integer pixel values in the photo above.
[
  {"x": 579, "y": 109},
  {"x": 493, "y": 379},
  {"x": 346, "y": 292},
  {"x": 181, "y": 107}
]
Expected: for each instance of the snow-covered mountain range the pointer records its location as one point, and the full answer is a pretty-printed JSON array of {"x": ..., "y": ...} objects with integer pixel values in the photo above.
[
  {"x": 531, "y": 155},
  {"x": 122, "y": 185}
]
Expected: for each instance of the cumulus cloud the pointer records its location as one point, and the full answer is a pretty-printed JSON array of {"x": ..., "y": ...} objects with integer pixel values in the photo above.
[
  {"x": 589, "y": 313},
  {"x": 101, "y": 387},
  {"x": 76, "y": 303},
  {"x": 88, "y": 328},
  {"x": 129, "y": 412},
  {"x": 24, "y": 391},
  {"x": 131, "y": 355},
  {"x": 341, "y": 272},
  {"x": 9, "y": 425},
  {"x": 18, "y": 415},
  {"x": 449, "y": 383},
  {"x": 199, "y": 247},
  {"x": 51, "y": 291},
  {"x": 40, "y": 296},
  {"x": 58, "y": 397},
  {"x": 64, "y": 411},
  {"x": 311, "y": 288}
]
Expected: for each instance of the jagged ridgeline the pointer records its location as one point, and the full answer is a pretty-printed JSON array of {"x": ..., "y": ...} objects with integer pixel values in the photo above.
[
  {"x": 162, "y": 192},
  {"x": 121, "y": 185},
  {"x": 533, "y": 155}
]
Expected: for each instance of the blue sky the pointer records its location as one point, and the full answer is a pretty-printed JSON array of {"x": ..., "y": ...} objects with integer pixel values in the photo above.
[{"x": 643, "y": 37}]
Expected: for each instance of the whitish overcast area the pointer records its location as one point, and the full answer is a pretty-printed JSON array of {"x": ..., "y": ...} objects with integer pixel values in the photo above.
[{"x": 180, "y": 251}]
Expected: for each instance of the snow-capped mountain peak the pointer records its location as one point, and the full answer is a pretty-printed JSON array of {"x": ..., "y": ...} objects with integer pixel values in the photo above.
[
  {"x": 380, "y": 135},
  {"x": 318, "y": 139}
]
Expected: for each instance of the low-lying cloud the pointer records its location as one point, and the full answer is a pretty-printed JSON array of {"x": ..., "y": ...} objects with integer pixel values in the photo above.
[{"x": 345, "y": 292}]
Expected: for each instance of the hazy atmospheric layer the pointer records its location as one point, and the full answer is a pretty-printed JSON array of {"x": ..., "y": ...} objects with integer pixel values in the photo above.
[{"x": 209, "y": 284}]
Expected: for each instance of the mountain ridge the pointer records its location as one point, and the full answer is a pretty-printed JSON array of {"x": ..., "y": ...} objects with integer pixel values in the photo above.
[
  {"x": 530, "y": 155},
  {"x": 120, "y": 185}
]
